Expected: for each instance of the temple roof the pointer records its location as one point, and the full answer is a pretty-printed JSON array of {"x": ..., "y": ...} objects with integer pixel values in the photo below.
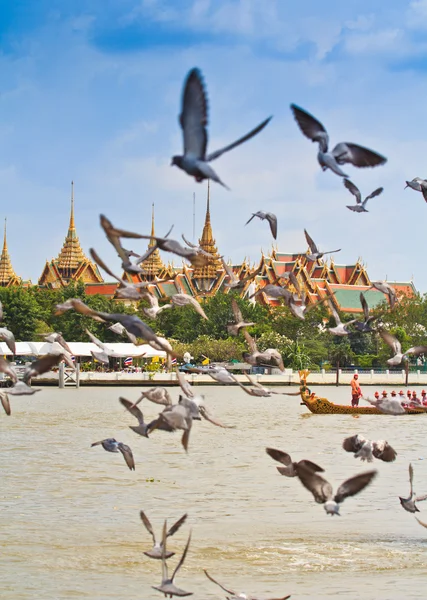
[{"x": 6, "y": 270}]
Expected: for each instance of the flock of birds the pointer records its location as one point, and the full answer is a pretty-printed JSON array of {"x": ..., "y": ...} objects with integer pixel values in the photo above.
[{"x": 190, "y": 406}]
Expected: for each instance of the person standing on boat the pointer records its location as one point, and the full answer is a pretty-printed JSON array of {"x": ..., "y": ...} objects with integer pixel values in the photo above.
[{"x": 356, "y": 392}]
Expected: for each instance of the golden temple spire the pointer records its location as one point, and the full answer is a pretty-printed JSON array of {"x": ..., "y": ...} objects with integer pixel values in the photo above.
[
  {"x": 72, "y": 226},
  {"x": 6, "y": 270},
  {"x": 71, "y": 255},
  {"x": 154, "y": 264},
  {"x": 206, "y": 275}
]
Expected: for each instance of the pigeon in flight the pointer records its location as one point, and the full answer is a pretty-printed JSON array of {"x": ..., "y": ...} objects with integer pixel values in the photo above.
[
  {"x": 341, "y": 328},
  {"x": 388, "y": 406},
  {"x": 234, "y": 328},
  {"x": 156, "y": 550},
  {"x": 255, "y": 357},
  {"x": 323, "y": 492},
  {"x": 360, "y": 206},
  {"x": 314, "y": 251},
  {"x": 193, "y": 120},
  {"x": 239, "y": 596},
  {"x": 344, "y": 152},
  {"x": 291, "y": 468},
  {"x": 112, "y": 445},
  {"x": 365, "y": 325},
  {"x": 272, "y": 219},
  {"x": 367, "y": 450},
  {"x": 385, "y": 288},
  {"x": 419, "y": 185},
  {"x": 167, "y": 586},
  {"x": 396, "y": 346},
  {"x": 409, "y": 504}
]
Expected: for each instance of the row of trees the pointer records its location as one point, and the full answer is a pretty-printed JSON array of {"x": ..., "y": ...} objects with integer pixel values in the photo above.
[{"x": 30, "y": 312}]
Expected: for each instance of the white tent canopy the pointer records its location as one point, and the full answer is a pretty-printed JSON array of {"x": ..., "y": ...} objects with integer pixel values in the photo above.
[{"x": 83, "y": 349}]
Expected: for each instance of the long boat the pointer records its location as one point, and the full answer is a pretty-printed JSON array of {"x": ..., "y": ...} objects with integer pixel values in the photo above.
[{"x": 322, "y": 406}]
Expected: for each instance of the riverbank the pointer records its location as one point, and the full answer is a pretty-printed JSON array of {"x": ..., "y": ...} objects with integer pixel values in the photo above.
[{"x": 288, "y": 378}]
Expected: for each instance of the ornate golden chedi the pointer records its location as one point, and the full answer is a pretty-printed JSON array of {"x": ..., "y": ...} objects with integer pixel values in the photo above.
[
  {"x": 8, "y": 276},
  {"x": 71, "y": 264}
]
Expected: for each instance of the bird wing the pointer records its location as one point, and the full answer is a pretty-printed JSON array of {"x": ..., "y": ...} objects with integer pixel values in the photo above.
[
  {"x": 42, "y": 365},
  {"x": 314, "y": 483},
  {"x": 376, "y": 192},
  {"x": 7, "y": 369},
  {"x": 253, "y": 216},
  {"x": 4, "y": 399},
  {"x": 354, "y": 485},
  {"x": 384, "y": 451},
  {"x": 184, "y": 385},
  {"x": 246, "y": 137},
  {"x": 411, "y": 478},
  {"x": 311, "y": 127},
  {"x": 182, "y": 559},
  {"x": 353, "y": 189},
  {"x": 147, "y": 524},
  {"x": 421, "y": 498},
  {"x": 194, "y": 115},
  {"x": 311, "y": 465},
  {"x": 240, "y": 384},
  {"x": 256, "y": 383},
  {"x": 312, "y": 245},
  {"x": 293, "y": 279},
  {"x": 353, "y": 443},
  {"x": 195, "y": 304},
  {"x": 151, "y": 299},
  {"x": 334, "y": 312},
  {"x": 281, "y": 457},
  {"x": 206, "y": 414},
  {"x": 95, "y": 340},
  {"x": 359, "y": 156},
  {"x": 421, "y": 523},
  {"x": 1, "y": 311},
  {"x": 228, "y": 591},
  {"x": 189, "y": 244},
  {"x": 164, "y": 563},
  {"x": 272, "y": 219},
  {"x": 177, "y": 525},
  {"x": 364, "y": 306},
  {"x": 250, "y": 341},
  {"x": 236, "y": 311},
  {"x": 416, "y": 350},
  {"x": 134, "y": 410},
  {"x": 127, "y": 455},
  {"x": 391, "y": 341},
  {"x": 102, "y": 264},
  {"x": 424, "y": 190}
]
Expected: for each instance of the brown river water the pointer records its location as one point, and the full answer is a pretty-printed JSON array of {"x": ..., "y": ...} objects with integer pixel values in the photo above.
[{"x": 70, "y": 525}]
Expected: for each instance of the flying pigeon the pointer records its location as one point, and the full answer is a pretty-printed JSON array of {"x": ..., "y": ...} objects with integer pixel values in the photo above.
[
  {"x": 272, "y": 219},
  {"x": 360, "y": 206},
  {"x": 344, "y": 152},
  {"x": 194, "y": 120}
]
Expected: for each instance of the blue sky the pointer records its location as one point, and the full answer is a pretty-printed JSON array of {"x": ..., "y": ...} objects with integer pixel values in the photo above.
[{"x": 90, "y": 91}]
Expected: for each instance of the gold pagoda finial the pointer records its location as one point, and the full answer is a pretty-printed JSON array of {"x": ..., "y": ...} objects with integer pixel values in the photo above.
[
  {"x": 152, "y": 241},
  {"x": 4, "y": 237},
  {"x": 207, "y": 273},
  {"x": 72, "y": 224}
]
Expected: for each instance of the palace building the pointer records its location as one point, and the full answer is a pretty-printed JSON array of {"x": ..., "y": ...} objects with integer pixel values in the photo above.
[{"x": 315, "y": 279}]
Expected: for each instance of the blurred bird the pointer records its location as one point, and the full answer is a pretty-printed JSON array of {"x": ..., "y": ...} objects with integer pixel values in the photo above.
[
  {"x": 156, "y": 550},
  {"x": 271, "y": 218},
  {"x": 341, "y": 329},
  {"x": 255, "y": 357},
  {"x": 167, "y": 586},
  {"x": 409, "y": 503},
  {"x": 111, "y": 445},
  {"x": 291, "y": 468},
  {"x": 385, "y": 288},
  {"x": 360, "y": 206},
  {"x": 344, "y": 152},
  {"x": 38, "y": 367},
  {"x": 54, "y": 337},
  {"x": 388, "y": 406},
  {"x": 367, "y": 450},
  {"x": 396, "y": 347},
  {"x": 257, "y": 389},
  {"x": 239, "y": 596},
  {"x": 365, "y": 325},
  {"x": 177, "y": 416},
  {"x": 323, "y": 492},
  {"x": 142, "y": 427},
  {"x": 419, "y": 185},
  {"x": 234, "y": 328},
  {"x": 314, "y": 252},
  {"x": 193, "y": 120}
]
